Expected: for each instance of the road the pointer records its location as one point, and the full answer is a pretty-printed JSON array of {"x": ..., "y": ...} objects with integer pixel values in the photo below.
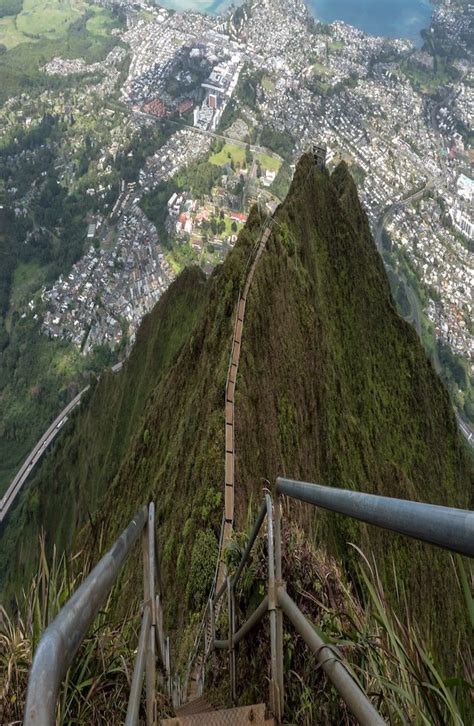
[
  {"x": 214, "y": 135},
  {"x": 38, "y": 450},
  {"x": 36, "y": 453}
]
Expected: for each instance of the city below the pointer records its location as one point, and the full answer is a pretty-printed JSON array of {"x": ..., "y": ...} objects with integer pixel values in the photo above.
[{"x": 227, "y": 104}]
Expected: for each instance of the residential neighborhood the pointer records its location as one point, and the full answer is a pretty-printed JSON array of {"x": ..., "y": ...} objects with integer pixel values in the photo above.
[{"x": 238, "y": 91}]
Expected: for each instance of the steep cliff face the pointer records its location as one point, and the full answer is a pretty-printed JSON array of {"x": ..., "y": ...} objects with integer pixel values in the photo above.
[{"x": 333, "y": 387}]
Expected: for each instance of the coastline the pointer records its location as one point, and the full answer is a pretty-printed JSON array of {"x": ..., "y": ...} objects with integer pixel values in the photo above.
[{"x": 322, "y": 11}]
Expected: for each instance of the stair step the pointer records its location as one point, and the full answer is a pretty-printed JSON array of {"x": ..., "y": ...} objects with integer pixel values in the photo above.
[
  {"x": 194, "y": 706},
  {"x": 241, "y": 716}
]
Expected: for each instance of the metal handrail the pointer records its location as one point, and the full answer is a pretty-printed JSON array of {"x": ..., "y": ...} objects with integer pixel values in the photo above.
[
  {"x": 446, "y": 527},
  {"x": 331, "y": 663},
  {"x": 64, "y": 635}
]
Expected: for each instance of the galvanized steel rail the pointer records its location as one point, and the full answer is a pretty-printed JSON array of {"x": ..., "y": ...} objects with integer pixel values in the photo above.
[
  {"x": 276, "y": 603},
  {"x": 332, "y": 664},
  {"x": 445, "y": 527},
  {"x": 62, "y": 638}
]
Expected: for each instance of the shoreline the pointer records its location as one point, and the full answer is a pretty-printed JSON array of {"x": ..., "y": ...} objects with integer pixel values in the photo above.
[{"x": 221, "y": 8}]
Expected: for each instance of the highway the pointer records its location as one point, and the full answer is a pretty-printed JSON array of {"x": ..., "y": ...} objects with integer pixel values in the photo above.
[
  {"x": 38, "y": 450},
  {"x": 36, "y": 453},
  {"x": 467, "y": 432}
]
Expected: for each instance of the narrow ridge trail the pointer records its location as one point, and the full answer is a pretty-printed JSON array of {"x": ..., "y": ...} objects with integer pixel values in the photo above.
[
  {"x": 195, "y": 673},
  {"x": 229, "y": 490}
]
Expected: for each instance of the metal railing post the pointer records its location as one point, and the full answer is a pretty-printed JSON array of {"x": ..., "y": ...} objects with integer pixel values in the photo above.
[
  {"x": 230, "y": 605},
  {"x": 272, "y": 602},
  {"x": 137, "y": 680},
  {"x": 61, "y": 640},
  {"x": 279, "y": 613},
  {"x": 149, "y": 597}
]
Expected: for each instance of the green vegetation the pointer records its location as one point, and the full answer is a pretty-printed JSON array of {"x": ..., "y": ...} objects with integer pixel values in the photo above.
[
  {"x": 282, "y": 181},
  {"x": 320, "y": 70},
  {"x": 69, "y": 30},
  {"x": 248, "y": 86},
  {"x": 268, "y": 162},
  {"x": 97, "y": 686},
  {"x": 199, "y": 180},
  {"x": 37, "y": 376},
  {"x": 203, "y": 566},
  {"x": 229, "y": 154},
  {"x": 430, "y": 80},
  {"x": 37, "y": 379},
  {"x": 267, "y": 83},
  {"x": 333, "y": 387},
  {"x": 335, "y": 45},
  {"x": 281, "y": 143},
  {"x": 10, "y": 7},
  {"x": 381, "y": 643}
]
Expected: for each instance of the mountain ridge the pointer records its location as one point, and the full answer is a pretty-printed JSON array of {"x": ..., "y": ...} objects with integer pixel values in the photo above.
[{"x": 333, "y": 387}]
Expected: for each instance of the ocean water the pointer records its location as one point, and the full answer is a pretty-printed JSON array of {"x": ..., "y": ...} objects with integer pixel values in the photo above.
[{"x": 391, "y": 18}]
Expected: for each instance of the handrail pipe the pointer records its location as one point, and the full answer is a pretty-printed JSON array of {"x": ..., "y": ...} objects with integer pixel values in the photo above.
[
  {"x": 445, "y": 527},
  {"x": 63, "y": 636}
]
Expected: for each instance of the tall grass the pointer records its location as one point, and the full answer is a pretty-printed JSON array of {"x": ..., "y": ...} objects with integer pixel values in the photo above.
[
  {"x": 394, "y": 659},
  {"x": 97, "y": 685},
  {"x": 381, "y": 642}
]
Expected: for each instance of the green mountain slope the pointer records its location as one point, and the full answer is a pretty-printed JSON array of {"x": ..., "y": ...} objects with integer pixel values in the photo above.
[{"x": 333, "y": 387}]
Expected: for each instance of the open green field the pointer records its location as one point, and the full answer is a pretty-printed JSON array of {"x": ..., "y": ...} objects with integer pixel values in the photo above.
[
  {"x": 48, "y": 18},
  {"x": 229, "y": 152},
  {"x": 320, "y": 70},
  {"x": 267, "y": 83},
  {"x": 101, "y": 23},
  {"x": 40, "y": 19},
  {"x": 65, "y": 28},
  {"x": 268, "y": 162},
  {"x": 228, "y": 227},
  {"x": 9, "y": 35}
]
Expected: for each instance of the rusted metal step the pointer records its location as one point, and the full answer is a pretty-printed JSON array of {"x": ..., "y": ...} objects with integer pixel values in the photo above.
[{"x": 242, "y": 716}]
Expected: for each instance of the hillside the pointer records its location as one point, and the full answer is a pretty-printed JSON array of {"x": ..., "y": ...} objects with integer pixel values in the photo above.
[{"x": 333, "y": 387}]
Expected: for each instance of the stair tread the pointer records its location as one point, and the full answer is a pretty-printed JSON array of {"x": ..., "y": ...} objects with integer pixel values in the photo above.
[
  {"x": 241, "y": 716},
  {"x": 194, "y": 706}
]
